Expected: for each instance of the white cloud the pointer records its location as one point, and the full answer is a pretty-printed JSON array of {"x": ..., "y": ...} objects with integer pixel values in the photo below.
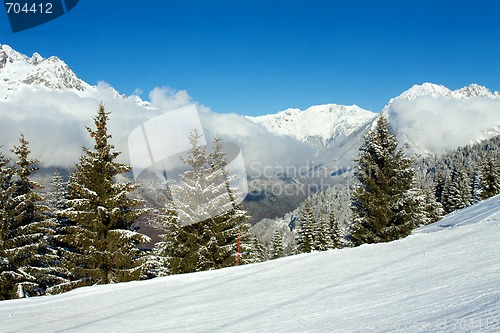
[
  {"x": 260, "y": 148},
  {"x": 54, "y": 123},
  {"x": 137, "y": 92},
  {"x": 167, "y": 99},
  {"x": 438, "y": 123}
]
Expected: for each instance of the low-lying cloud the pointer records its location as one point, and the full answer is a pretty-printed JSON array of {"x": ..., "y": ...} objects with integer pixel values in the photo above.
[
  {"x": 54, "y": 123},
  {"x": 434, "y": 124}
]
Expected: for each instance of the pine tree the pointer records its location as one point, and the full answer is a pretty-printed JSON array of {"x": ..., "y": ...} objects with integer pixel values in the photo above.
[
  {"x": 102, "y": 242},
  {"x": 433, "y": 209},
  {"x": 252, "y": 249},
  {"x": 336, "y": 238},
  {"x": 153, "y": 266},
  {"x": 26, "y": 256},
  {"x": 205, "y": 204},
  {"x": 385, "y": 200},
  {"x": 322, "y": 235},
  {"x": 477, "y": 188},
  {"x": 457, "y": 192},
  {"x": 177, "y": 245},
  {"x": 277, "y": 245},
  {"x": 439, "y": 187},
  {"x": 491, "y": 177},
  {"x": 57, "y": 198},
  {"x": 305, "y": 242},
  {"x": 6, "y": 276}
]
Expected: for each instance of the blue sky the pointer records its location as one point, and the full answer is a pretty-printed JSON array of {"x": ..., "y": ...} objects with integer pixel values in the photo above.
[{"x": 257, "y": 57}]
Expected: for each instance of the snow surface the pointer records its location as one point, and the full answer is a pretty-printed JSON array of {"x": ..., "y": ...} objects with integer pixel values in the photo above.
[{"x": 442, "y": 278}]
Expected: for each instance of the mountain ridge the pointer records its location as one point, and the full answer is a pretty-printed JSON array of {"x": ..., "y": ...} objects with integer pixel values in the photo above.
[
  {"x": 17, "y": 70},
  {"x": 320, "y": 126}
]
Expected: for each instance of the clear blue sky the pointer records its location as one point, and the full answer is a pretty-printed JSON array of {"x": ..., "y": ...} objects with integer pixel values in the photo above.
[{"x": 255, "y": 57}]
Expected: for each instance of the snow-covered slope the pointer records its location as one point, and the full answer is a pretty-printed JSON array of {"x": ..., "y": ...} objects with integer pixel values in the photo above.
[
  {"x": 321, "y": 122},
  {"x": 442, "y": 278}
]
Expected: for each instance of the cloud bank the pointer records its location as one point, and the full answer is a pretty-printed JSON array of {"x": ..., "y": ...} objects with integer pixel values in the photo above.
[
  {"x": 54, "y": 123},
  {"x": 434, "y": 124}
]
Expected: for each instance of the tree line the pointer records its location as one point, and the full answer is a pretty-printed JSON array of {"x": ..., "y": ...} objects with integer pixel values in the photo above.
[
  {"x": 392, "y": 194},
  {"x": 83, "y": 233}
]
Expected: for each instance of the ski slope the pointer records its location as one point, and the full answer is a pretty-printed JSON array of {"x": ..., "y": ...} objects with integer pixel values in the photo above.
[{"x": 443, "y": 278}]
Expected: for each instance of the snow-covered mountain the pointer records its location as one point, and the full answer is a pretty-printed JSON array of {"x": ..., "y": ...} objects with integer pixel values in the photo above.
[
  {"x": 428, "y": 118},
  {"x": 431, "y": 118},
  {"x": 472, "y": 114},
  {"x": 325, "y": 123},
  {"x": 442, "y": 278},
  {"x": 18, "y": 71},
  {"x": 436, "y": 90}
]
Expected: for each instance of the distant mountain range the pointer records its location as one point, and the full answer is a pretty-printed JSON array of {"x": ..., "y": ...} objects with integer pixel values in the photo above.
[
  {"x": 44, "y": 99},
  {"x": 330, "y": 122},
  {"x": 322, "y": 126}
]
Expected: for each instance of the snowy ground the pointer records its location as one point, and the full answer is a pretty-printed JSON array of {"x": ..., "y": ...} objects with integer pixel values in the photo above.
[{"x": 443, "y": 278}]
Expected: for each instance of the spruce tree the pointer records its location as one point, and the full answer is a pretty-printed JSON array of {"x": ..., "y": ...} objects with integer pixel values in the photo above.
[
  {"x": 491, "y": 177},
  {"x": 102, "y": 242},
  {"x": 6, "y": 276},
  {"x": 26, "y": 257},
  {"x": 336, "y": 238},
  {"x": 433, "y": 209},
  {"x": 439, "y": 187},
  {"x": 322, "y": 235},
  {"x": 57, "y": 198},
  {"x": 277, "y": 245},
  {"x": 457, "y": 192},
  {"x": 305, "y": 242},
  {"x": 205, "y": 204},
  {"x": 385, "y": 205},
  {"x": 177, "y": 247},
  {"x": 477, "y": 187},
  {"x": 252, "y": 249}
]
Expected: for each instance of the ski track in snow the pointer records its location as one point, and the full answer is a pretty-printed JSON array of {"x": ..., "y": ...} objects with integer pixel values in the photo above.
[{"x": 442, "y": 278}]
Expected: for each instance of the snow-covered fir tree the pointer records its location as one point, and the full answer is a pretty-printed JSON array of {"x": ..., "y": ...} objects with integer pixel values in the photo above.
[
  {"x": 277, "y": 245},
  {"x": 153, "y": 265},
  {"x": 204, "y": 203},
  {"x": 176, "y": 245},
  {"x": 476, "y": 165},
  {"x": 491, "y": 176},
  {"x": 477, "y": 186},
  {"x": 6, "y": 277},
  {"x": 103, "y": 245},
  {"x": 433, "y": 209},
  {"x": 457, "y": 192},
  {"x": 322, "y": 235},
  {"x": 26, "y": 259},
  {"x": 335, "y": 234},
  {"x": 57, "y": 197},
  {"x": 386, "y": 200},
  {"x": 252, "y": 249},
  {"x": 305, "y": 241}
]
